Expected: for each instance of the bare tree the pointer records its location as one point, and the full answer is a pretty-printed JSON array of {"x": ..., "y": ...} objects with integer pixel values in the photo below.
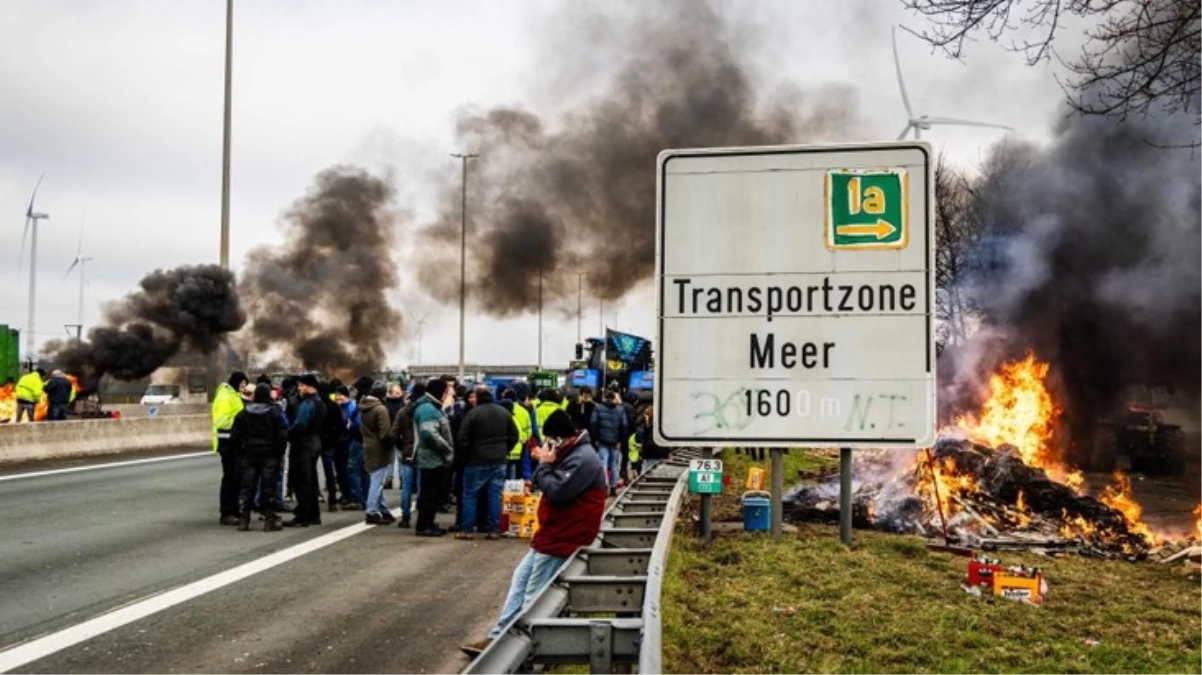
[
  {"x": 957, "y": 230},
  {"x": 1139, "y": 56}
]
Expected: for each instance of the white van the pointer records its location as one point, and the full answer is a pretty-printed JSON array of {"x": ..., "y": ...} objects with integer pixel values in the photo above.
[{"x": 159, "y": 394}]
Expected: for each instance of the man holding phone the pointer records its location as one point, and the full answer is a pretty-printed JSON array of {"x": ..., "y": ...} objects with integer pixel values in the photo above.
[{"x": 573, "y": 484}]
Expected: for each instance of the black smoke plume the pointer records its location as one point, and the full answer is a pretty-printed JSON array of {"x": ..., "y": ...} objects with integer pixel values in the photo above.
[
  {"x": 579, "y": 196},
  {"x": 187, "y": 308},
  {"x": 322, "y": 296},
  {"x": 1090, "y": 256}
]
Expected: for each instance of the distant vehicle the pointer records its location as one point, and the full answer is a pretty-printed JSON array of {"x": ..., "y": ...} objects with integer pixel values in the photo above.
[
  {"x": 1152, "y": 446},
  {"x": 160, "y": 394},
  {"x": 165, "y": 386}
]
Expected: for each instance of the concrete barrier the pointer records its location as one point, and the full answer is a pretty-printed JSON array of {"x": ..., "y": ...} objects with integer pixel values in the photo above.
[
  {"x": 165, "y": 410},
  {"x": 86, "y": 438}
]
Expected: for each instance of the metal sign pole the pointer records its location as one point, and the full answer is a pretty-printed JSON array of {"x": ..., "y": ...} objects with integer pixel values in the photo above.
[
  {"x": 845, "y": 495},
  {"x": 706, "y": 525},
  {"x": 778, "y": 481}
]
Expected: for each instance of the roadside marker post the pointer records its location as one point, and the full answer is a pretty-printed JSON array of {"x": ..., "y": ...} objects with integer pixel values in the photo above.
[
  {"x": 705, "y": 479},
  {"x": 796, "y": 301},
  {"x": 778, "y": 489}
]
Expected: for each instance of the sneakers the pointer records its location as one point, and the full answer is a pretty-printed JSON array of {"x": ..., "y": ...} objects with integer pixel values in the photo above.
[
  {"x": 435, "y": 532},
  {"x": 493, "y": 536},
  {"x": 244, "y": 522},
  {"x": 464, "y": 536},
  {"x": 375, "y": 519}
]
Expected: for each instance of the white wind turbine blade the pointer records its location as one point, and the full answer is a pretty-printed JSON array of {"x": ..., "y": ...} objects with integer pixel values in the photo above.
[
  {"x": 905, "y": 131},
  {"x": 901, "y": 82},
  {"x": 74, "y": 264},
  {"x": 952, "y": 121},
  {"x": 28, "y": 218}
]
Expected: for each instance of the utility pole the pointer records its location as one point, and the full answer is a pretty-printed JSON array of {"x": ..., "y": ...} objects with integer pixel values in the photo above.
[
  {"x": 540, "y": 318},
  {"x": 462, "y": 157},
  {"x": 225, "y": 139},
  {"x": 579, "y": 304},
  {"x": 420, "y": 324}
]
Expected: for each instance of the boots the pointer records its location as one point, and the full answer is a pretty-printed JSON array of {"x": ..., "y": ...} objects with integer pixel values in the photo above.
[
  {"x": 272, "y": 523},
  {"x": 244, "y": 521}
]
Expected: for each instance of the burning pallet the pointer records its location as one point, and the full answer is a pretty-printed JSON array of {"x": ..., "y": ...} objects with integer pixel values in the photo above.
[{"x": 990, "y": 498}]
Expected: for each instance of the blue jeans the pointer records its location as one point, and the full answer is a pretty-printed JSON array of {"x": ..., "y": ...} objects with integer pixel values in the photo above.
[
  {"x": 375, "y": 494},
  {"x": 611, "y": 461},
  {"x": 531, "y": 576},
  {"x": 356, "y": 473},
  {"x": 488, "y": 480},
  {"x": 408, "y": 481}
]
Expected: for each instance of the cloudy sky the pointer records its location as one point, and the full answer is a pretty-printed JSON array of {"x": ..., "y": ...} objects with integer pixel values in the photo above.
[{"x": 119, "y": 104}]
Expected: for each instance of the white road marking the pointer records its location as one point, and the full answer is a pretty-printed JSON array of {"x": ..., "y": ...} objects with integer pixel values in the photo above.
[
  {"x": 46, "y": 645},
  {"x": 109, "y": 465}
]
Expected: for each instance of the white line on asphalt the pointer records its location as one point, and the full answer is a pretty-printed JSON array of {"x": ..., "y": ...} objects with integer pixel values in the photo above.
[
  {"x": 46, "y": 645},
  {"x": 109, "y": 465}
]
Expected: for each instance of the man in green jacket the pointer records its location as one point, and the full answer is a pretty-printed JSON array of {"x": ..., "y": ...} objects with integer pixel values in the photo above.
[
  {"x": 29, "y": 393},
  {"x": 227, "y": 403},
  {"x": 434, "y": 453}
]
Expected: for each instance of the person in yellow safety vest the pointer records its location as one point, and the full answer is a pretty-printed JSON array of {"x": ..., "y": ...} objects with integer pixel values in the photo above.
[
  {"x": 227, "y": 403},
  {"x": 29, "y": 393},
  {"x": 521, "y": 416},
  {"x": 549, "y": 400}
]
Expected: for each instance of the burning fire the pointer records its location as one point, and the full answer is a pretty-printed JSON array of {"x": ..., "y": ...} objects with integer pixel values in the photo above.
[
  {"x": 1020, "y": 411},
  {"x": 8, "y": 403},
  {"x": 1198, "y": 521}
]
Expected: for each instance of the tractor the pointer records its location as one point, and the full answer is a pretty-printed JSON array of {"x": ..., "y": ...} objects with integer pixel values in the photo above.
[{"x": 1141, "y": 435}]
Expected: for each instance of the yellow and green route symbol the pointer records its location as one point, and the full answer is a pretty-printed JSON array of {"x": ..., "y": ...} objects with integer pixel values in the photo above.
[{"x": 867, "y": 210}]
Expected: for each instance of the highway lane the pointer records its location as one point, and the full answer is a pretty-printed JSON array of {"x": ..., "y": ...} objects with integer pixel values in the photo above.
[{"x": 80, "y": 544}]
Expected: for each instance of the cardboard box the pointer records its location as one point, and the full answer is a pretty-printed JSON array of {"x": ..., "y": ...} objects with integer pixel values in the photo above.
[
  {"x": 1018, "y": 588},
  {"x": 981, "y": 574}
]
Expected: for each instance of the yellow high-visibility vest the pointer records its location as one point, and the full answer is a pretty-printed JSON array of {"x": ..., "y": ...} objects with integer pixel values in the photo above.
[{"x": 521, "y": 417}]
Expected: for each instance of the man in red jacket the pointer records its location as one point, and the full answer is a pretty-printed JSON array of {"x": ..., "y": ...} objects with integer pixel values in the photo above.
[{"x": 574, "y": 489}]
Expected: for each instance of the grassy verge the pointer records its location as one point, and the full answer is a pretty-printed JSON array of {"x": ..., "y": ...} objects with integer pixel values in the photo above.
[{"x": 808, "y": 604}]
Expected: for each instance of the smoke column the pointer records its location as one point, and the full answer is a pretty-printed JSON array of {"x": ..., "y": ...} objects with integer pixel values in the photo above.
[
  {"x": 322, "y": 296},
  {"x": 1090, "y": 256},
  {"x": 580, "y": 196},
  {"x": 192, "y": 307}
]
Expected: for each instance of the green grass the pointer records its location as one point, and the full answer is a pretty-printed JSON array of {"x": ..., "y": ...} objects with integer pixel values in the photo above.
[{"x": 808, "y": 604}]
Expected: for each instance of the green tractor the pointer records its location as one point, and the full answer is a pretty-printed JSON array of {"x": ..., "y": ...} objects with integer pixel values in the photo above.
[{"x": 1152, "y": 446}]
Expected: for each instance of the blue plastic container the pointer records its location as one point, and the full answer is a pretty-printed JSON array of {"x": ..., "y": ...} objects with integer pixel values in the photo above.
[{"x": 757, "y": 513}]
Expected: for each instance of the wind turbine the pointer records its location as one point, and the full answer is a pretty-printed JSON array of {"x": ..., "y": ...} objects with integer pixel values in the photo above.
[
  {"x": 31, "y": 226},
  {"x": 925, "y": 122},
  {"x": 81, "y": 262}
]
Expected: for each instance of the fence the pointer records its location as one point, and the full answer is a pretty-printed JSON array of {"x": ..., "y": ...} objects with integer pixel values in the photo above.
[{"x": 603, "y": 608}]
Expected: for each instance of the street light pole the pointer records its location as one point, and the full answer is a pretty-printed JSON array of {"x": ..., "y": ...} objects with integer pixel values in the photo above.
[
  {"x": 420, "y": 324},
  {"x": 579, "y": 303},
  {"x": 225, "y": 141},
  {"x": 540, "y": 319},
  {"x": 462, "y": 157}
]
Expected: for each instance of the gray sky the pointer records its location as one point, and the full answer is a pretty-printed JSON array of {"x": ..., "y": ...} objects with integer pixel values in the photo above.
[{"x": 119, "y": 103}]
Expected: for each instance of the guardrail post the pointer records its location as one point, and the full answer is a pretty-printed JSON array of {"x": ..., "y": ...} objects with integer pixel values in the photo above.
[
  {"x": 601, "y": 652},
  {"x": 778, "y": 490}
]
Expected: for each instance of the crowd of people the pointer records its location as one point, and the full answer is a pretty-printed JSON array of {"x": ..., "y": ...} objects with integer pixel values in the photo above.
[
  {"x": 32, "y": 387},
  {"x": 447, "y": 447}
]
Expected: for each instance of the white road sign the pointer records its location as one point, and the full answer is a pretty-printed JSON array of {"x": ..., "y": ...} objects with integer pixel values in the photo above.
[{"x": 796, "y": 296}]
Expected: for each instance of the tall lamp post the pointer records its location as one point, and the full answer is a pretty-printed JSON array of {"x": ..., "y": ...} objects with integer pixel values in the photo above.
[
  {"x": 462, "y": 157},
  {"x": 225, "y": 137},
  {"x": 421, "y": 323}
]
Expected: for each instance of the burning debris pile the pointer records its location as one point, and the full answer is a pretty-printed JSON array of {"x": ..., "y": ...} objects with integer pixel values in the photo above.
[{"x": 986, "y": 492}]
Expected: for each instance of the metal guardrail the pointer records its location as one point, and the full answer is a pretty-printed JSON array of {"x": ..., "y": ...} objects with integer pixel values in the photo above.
[{"x": 603, "y": 607}]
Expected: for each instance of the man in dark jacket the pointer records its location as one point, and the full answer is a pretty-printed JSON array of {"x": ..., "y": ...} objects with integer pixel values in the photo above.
[
  {"x": 608, "y": 429},
  {"x": 403, "y": 438},
  {"x": 485, "y": 437},
  {"x": 375, "y": 426},
  {"x": 434, "y": 453},
  {"x": 464, "y": 402},
  {"x": 58, "y": 396},
  {"x": 304, "y": 435},
  {"x": 333, "y": 463},
  {"x": 260, "y": 438},
  {"x": 572, "y": 481},
  {"x": 581, "y": 410}
]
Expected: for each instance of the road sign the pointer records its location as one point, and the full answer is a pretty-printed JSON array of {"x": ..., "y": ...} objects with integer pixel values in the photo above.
[
  {"x": 705, "y": 476},
  {"x": 796, "y": 296},
  {"x": 152, "y": 411}
]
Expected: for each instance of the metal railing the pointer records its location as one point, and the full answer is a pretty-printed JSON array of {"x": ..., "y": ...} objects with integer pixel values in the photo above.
[{"x": 603, "y": 607}]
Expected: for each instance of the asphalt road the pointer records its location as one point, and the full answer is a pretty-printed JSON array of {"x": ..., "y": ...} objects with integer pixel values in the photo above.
[{"x": 78, "y": 545}]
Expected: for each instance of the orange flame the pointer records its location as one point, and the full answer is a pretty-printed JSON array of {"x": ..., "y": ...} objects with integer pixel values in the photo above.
[
  {"x": 1198, "y": 521},
  {"x": 1118, "y": 497},
  {"x": 8, "y": 403}
]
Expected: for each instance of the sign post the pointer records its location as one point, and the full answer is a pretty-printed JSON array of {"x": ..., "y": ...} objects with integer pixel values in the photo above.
[
  {"x": 778, "y": 490},
  {"x": 705, "y": 479},
  {"x": 796, "y": 298}
]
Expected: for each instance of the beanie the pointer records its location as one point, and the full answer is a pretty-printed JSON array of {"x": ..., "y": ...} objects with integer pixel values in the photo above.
[
  {"x": 309, "y": 380},
  {"x": 436, "y": 388},
  {"x": 559, "y": 425}
]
